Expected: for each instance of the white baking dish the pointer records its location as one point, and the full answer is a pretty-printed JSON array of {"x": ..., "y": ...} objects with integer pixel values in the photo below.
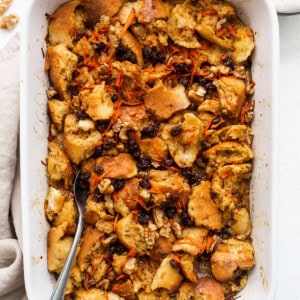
[{"x": 261, "y": 16}]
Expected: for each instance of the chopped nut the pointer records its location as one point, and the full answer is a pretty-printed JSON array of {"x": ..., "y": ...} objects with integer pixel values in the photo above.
[
  {"x": 8, "y": 22},
  {"x": 130, "y": 266}
]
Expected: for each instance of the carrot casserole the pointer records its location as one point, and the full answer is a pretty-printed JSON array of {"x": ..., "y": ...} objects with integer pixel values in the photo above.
[{"x": 153, "y": 102}]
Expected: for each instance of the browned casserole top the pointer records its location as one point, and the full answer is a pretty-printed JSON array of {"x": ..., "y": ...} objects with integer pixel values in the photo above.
[{"x": 152, "y": 100}]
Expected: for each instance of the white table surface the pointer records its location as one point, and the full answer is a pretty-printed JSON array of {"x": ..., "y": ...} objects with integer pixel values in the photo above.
[{"x": 289, "y": 153}]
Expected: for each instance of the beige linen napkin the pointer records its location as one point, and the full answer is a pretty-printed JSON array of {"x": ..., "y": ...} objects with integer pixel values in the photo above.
[{"x": 11, "y": 263}]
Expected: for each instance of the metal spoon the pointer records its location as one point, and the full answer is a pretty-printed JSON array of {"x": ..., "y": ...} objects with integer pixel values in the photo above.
[{"x": 80, "y": 195}]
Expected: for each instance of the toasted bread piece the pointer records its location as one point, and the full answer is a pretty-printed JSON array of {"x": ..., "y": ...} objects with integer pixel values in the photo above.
[
  {"x": 164, "y": 182},
  {"x": 208, "y": 110},
  {"x": 243, "y": 43},
  {"x": 232, "y": 180},
  {"x": 121, "y": 166},
  {"x": 153, "y": 147},
  {"x": 131, "y": 42},
  {"x": 133, "y": 114},
  {"x": 227, "y": 153},
  {"x": 68, "y": 213},
  {"x": 162, "y": 248},
  {"x": 54, "y": 202},
  {"x": 193, "y": 241},
  {"x": 79, "y": 138},
  {"x": 187, "y": 263},
  {"x": 90, "y": 241},
  {"x": 167, "y": 276},
  {"x": 131, "y": 234},
  {"x": 95, "y": 294},
  {"x": 181, "y": 25},
  {"x": 59, "y": 167},
  {"x": 229, "y": 256},
  {"x": 62, "y": 64},
  {"x": 161, "y": 294},
  {"x": 97, "y": 103},
  {"x": 205, "y": 289},
  {"x": 4, "y": 4},
  {"x": 164, "y": 101},
  {"x": 232, "y": 93},
  {"x": 207, "y": 24},
  {"x": 58, "y": 247},
  {"x": 58, "y": 110},
  {"x": 96, "y": 8},
  {"x": 63, "y": 24},
  {"x": 185, "y": 146},
  {"x": 94, "y": 211},
  {"x": 239, "y": 133},
  {"x": 124, "y": 289},
  {"x": 202, "y": 209},
  {"x": 241, "y": 228},
  {"x": 124, "y": 199}
]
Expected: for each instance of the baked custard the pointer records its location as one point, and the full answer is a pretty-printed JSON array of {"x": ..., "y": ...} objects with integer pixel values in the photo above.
[{"x": 153, "y": 102}]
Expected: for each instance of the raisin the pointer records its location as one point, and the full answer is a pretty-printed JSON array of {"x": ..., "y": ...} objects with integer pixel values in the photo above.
[
  {"x": 98, "y": 169},
  {"x": 225, "y": 233},
  {"x": 147, "y": 52},
  {"x": 169, "y": 162},
  {"x": 149, "y": 131},
  {"x": 74, "y": 90},
  {"x": 248, "y": 63},
  {"x": 202, "y": 81},
  {"x": 133, "y": 148},
  {"x": 170, "y": 211},
  {"x": 143, "y": 163},
  {"x": 175, "y": 264},
  {"x": 180, "y": 68},
  {"x": 205, "y": 145},
  {"x": 108, "y": 145},
  {"x": 173, "y": 198},
  {"x": 102, "y": 125},
  {"x": 186, "y": 219},
  {"x": 145, "y": 184},
  {"x": 149, "y": 204},
  {"x": 81, "y": 114},
  {"x": 99, "y": 47},
  {"x": 215, "y": 121},
  {"x": 117, "y": 184},
  {"x": 114, "y": 97},
  {"x": 184, "y": 81},
  {"x": 117, "y": 248},
  {"x": 228, "y": 62},
  {"x": 176, "y": 130},
  {"x": 210, "y": 87},
  {"x": 143, "y": 218},
  {"x": 97, "y": 152},
  {"x": 125, "y": 54}
]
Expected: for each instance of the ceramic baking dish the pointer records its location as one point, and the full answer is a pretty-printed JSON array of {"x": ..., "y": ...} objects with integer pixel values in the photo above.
[{"x": 261, "y": 16}]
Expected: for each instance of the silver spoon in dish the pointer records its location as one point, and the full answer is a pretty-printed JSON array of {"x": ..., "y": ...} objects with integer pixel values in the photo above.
[{"x": 80, "y": 194}]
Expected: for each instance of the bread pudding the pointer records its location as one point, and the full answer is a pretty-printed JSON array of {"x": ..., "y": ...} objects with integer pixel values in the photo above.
[{"x": 153, "y": 102}]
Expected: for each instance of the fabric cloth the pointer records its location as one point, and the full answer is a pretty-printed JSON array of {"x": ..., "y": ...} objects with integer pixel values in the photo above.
[{"x": 11, "y": 263}]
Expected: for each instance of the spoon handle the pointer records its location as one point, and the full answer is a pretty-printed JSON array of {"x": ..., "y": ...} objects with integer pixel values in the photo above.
[{"x": 59, "y": 291}]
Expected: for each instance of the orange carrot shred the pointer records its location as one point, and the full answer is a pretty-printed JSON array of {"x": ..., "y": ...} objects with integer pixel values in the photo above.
[
  {"x": 116, "y": 223},
  {"x": 231, "y": 30},
  {"x": 86, "y": 281},
  {"x": 221, "y": 32},
  {"x": 129, "y": 21},
  {"x": 209, "y": 12}
]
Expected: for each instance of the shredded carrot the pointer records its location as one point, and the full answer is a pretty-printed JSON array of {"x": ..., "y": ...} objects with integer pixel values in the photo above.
[
  {"x": 225, "y": 174},
  {"x": 207, "y": 126},
  {"x": 194, "y": 55},
  {"x": 106, "y": 295},
  {"x": 158, "y": 151},
  {"x": 209, "y": 12},
  {"x": 108, "y": 58},
  {"x": 122, "y": 276},
  {"x": 129, "y": 21},
  {"x": 243, "y": 112},
  {"x": 131, "y": 103},
  {"x": 116, "y": 223},
  {"x": 98, "y": 255},
  {"x": 209, "y": 242},
  {"x": 132, "y": 252},
  {"x": 221, "y": 32},
  {"x": 139, "y": 201},
  {"x": 47, "y": 63},
  {"x": 119, "y": 79},
  {"x": 86, "y": 281},
  {"x": 231, "y": 30},
  {"x": 172, "y": 168}
]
